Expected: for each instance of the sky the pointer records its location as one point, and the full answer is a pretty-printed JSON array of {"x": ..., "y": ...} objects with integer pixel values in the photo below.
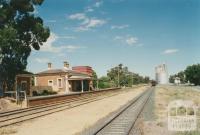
[{"x": 140, "y": 34}]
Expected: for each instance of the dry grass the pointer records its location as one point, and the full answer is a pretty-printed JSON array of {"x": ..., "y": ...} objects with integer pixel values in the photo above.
[
  {"x": 165, "y": 94},
  {"x": 7, "y": 131}
]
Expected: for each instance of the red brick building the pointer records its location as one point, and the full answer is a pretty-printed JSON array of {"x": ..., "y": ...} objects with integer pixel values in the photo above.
[{"x": 65, "y": 80}]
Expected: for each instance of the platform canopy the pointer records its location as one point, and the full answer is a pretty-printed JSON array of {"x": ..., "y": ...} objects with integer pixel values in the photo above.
[{"x": 79, "y": 78}]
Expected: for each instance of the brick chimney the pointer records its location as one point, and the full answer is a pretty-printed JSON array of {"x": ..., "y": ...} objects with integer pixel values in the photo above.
[
  {"x": 49, "y": 66},
  {"x": 66, "y": 65}
]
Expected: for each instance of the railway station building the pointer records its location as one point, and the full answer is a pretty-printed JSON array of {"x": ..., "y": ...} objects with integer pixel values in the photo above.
[{"x": 65, "y": 80}]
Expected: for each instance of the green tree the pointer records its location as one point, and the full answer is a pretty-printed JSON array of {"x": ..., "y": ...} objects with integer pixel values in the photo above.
[
  {"x": 104, "y": 82},
  {"x": 146, "y": 79},
  {"x": 20, "y": 32},
  {"x": 94, "y": 77},
  {"x": 192, "y": 74},
  {"x": 118, "y": 73},
  {"x": 181, "y": 75},
  {"x": 171, "y": 78},
  {"x": 126, "y": 78}
]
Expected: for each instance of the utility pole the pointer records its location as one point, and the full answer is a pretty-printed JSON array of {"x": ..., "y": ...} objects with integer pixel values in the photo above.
[
  {"x": 97, "y": 84},
  {"x": 132, "y": 80},
  {"x": 118, "y": 77}
]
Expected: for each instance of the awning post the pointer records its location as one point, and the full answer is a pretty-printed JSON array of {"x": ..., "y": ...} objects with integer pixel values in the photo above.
[{"x": 82, "y": 85}]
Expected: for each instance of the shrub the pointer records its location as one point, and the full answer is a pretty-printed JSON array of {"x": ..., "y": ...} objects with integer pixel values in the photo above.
[{"x": 44, "y": 93}]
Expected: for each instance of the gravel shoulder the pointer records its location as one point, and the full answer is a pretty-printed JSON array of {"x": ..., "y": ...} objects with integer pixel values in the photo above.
[
  {"x": 74, "y": 120},
  {"x": 153, "y": 121}
]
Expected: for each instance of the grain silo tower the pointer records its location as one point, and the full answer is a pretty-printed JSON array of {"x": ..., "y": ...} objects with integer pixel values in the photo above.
[{"x": 161, "y": 74}]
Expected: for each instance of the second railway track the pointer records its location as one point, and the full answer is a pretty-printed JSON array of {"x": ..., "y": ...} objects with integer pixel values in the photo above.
[{"x": 18, "y": 116}]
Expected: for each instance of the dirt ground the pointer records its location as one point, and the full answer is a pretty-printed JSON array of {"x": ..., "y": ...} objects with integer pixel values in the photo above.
[
  {"x": 162, "y": 97},
  {"x": 6, "y": 105},
  {"x": 74, "y": 120}
]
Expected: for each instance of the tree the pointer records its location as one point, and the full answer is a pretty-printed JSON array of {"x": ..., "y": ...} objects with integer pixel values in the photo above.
[
  {"x": 118, "y": 73},
  {"x": 104, "y": 82},
  {"x": 94, "y": 77},
  {"x": 180, "y": 75},
  {"x": 126, "y": 78},
  {"x": 192, "y": 74},
  {"x": 20, "y": 32},
  {"x": 171, "y": 78},
  {"x": 146, "y": 79}
]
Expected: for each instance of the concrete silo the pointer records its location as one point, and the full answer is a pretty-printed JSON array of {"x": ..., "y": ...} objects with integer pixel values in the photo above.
[{"x": 161, "y": 74}]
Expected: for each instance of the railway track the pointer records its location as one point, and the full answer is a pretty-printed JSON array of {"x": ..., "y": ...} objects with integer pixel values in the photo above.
[
  {"x": 123, "y": 121},
  {"x": 21, "y": 115}
]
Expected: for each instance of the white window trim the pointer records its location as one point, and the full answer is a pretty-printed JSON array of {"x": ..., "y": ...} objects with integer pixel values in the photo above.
[
  {"x": 61, "y": 82},
  {"x": 49, "y": 83}
]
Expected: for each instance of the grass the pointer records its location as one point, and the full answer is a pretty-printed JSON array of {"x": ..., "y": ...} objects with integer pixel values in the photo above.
[
  {"x": 7, "y": 131},
  {"x": 188, "y": 133},
  {"x": 165, "y": 94}
]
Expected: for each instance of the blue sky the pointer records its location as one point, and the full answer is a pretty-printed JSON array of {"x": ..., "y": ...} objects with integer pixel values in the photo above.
[{"x": 103, "y": 33}]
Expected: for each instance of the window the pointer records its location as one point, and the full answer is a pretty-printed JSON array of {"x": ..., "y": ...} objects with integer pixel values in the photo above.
[
  {"x": 50, "y": 82},
  {"x": 59, "y": 83}
]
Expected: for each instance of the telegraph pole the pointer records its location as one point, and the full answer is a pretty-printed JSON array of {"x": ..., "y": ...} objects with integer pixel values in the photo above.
[
  {"x": 132, "y": 80},
  {"x": 118, "y": 77}
]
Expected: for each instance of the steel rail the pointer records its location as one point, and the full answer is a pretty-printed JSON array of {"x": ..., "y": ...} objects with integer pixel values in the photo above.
[
  {"x": 6, "y": 121},
  {"x": 124, "y": 119},
  {"x": 7, "y": 113}
]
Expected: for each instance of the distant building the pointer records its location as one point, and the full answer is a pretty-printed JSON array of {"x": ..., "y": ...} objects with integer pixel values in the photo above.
[
  {"x": 161, "y": 74},
  {"x": 65, "y": 80},
  {"x": 177, "y": 80}
]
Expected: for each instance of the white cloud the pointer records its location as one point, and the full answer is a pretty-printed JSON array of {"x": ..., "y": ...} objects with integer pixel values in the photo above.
[
  {"x": 86, "y": 22},
  {"x": 94, "y": 23},
  {"x": 118, "y": 38},
  {"x": 72, "y": 48},
  {"x": 78, "y": 16},
  {"x": 89, "y": 24},
  {"x": 89, "y": 9},
  {"x": 50, "y": 47},
  {"x": 170, "y": 51},
  {"x": 42, "y": 60},
  {"x": 35, "y": 10},
  {"x": 98, "y": 4},
  {"x": 131, "y": 40},
  {"x": 94, "y": 6},
  {"x": 119, "y": 26}
]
